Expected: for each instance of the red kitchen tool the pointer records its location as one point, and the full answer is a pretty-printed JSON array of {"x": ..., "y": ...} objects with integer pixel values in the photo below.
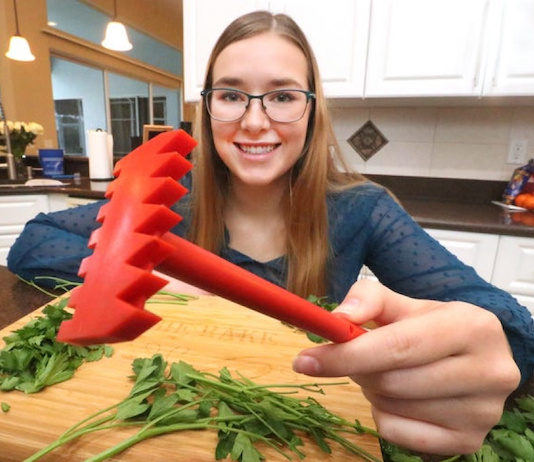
[{"x": 134, "y": 239}]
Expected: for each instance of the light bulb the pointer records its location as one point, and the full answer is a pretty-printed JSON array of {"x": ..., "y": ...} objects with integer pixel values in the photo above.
[
  {"x": 116, "y": 37},
  {"x": 19, "y": 49}
]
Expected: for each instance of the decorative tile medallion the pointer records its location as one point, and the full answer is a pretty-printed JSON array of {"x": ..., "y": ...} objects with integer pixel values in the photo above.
[{"x": 367, "y": 140}]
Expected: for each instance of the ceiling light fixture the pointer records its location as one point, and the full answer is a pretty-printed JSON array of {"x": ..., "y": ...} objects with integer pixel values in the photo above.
[
  {"x": 116, "y": 38},
  {"x": 19, "y": 49}
]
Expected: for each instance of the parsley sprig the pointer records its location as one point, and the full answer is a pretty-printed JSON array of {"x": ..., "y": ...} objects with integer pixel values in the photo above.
[
  {"x": 242, "y": 413},
  {"x": 33, "y": 359}
]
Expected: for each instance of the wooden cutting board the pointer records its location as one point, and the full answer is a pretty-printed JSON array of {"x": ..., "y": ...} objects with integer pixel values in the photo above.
[{"x": 209, "y": 333}]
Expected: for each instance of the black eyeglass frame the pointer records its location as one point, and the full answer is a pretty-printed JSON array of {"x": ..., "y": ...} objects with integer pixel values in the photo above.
[{"x": 310, "y": 95}]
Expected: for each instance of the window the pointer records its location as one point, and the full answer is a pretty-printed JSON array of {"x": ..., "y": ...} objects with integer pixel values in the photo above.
[
  {"x": 69, "y": 122},
  {"x": 88, "y": 95},
  {"x": 82, "y": 95}
]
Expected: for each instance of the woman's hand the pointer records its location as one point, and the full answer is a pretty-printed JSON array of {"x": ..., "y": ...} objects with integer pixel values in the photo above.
[{"x": 436, "y": 374}]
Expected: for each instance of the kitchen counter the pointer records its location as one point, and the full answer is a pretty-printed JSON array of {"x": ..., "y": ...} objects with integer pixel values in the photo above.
[
  {"x": 475, "y": 218},
  {"x": 17, "y": 298},
  {"x": 83, "y": 187},
  {"x": 460, "y": 205}
]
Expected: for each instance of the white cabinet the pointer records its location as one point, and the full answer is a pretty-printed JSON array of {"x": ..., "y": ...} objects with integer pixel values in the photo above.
[
  {"x": 450, "y": 48},
  {"x": 204, "y": 21},
  {"x": 15, "y": 211},
  {"x": 425, "y": 48},
  {"x": 390, "y": 48},
  {"x": 337, "y": 33},
  {"x": 514, "y": 268},
  {"x": 510, "y": 65}
]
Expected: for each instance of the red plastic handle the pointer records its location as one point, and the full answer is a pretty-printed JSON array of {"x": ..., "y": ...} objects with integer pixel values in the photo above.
[{"x": 203, "y": 269}]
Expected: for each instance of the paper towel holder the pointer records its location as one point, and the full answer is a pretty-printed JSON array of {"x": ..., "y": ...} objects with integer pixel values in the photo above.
[{"x": 150, "y": 131}]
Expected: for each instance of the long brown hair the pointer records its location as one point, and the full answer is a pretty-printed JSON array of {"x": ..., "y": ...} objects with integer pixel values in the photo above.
[{"x": 319, "y": 170}]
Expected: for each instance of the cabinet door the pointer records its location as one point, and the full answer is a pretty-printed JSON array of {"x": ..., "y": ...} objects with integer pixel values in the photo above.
[
  {"x": 425, "y": 48},
  {"x": 15, "y": 211},
  {"x": 474, "y": 249},
  {"x": 510, "y": 44},
  {"x": 514, "y": 268},
  {"x": 204, "y": 21},
  {"x": 337, "y": 32}
]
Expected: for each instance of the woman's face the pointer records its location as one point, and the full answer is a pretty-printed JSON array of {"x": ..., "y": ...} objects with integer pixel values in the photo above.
[{"x": 258, "y": 151}]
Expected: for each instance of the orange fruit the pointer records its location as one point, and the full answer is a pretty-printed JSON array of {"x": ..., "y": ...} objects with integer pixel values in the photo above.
[{"x": 521, "y": 198}]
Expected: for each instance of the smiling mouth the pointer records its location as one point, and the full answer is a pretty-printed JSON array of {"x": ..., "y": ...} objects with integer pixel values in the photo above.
[{"x": 263, "y": 149}]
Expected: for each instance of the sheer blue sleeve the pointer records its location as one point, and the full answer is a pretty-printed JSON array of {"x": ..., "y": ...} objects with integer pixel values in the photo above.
[
  {"x": 54, "y": 244},
  {"x": 406, "y": 259}
]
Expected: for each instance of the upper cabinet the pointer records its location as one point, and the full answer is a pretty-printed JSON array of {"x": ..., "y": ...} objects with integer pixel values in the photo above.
[
  {"x": 390, "y": 48},
  {"x": 204, "y": 21},
  {"x": 450, "y": 48},
  {"x": 337, "y": 33},
  {"x": 425, "y": 48},
  {"x": 510, "y": 64}
]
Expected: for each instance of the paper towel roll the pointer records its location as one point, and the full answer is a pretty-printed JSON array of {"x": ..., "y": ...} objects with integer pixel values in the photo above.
[{"x": 100, "y": 153}]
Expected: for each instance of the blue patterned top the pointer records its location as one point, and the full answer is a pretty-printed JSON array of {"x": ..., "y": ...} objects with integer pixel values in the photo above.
[{"x": 366, "y": 227}]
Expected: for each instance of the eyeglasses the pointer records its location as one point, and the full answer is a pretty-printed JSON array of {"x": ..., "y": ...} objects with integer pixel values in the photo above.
[{"x": 230, "y": 105}]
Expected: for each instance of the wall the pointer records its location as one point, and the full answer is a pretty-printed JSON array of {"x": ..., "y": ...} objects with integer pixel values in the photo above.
[
  {"x": 442, "y": 142},
  {"x": 26, "y": 87},
  {"x": 161, "y": 19}
]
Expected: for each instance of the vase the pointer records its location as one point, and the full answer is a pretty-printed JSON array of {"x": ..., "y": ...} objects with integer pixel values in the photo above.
[{"x": 20, "y": 168}]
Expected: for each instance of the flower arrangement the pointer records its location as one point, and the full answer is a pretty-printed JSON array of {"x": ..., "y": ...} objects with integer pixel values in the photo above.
[{"x": 21, "y": 135}]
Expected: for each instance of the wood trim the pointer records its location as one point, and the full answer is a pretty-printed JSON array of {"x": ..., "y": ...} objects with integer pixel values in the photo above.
[
  {"x": 150, "y": 131},
  {"x": 68, "y": 46}
]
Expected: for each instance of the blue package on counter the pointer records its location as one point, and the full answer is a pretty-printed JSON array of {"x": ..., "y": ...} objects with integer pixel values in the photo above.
[{"x": 518, "y": 181}]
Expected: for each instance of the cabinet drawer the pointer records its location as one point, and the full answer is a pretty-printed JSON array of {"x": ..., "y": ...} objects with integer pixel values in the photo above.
[
  {"x": 514, "y": 268},
  {"x": 15, "y": 211}
]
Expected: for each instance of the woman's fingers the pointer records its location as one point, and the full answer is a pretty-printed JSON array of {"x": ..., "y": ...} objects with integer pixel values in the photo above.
[
  {"x": 451, "y": 413},
  {"x": 427, "y": 437},
  {"x": 436, "y": 374},
  {"x": 409, "y": 342}
]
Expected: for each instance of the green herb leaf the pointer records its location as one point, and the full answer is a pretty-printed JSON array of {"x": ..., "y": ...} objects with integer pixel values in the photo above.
[
  {"x": 243, "y": 450},
  {"x": 33, "y": 359},
  {"x": 517, "y": 444},
  {"x": 5, "y": 407},
  {"x": 243, "y": 413}
]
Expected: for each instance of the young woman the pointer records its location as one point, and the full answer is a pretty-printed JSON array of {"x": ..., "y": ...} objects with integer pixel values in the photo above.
[{"x": 270, "y": 192}]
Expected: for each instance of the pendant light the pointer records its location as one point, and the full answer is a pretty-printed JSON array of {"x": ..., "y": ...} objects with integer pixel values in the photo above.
[
  {"x": 19, "y": 49},
  {"x": 116, "y": 36}
]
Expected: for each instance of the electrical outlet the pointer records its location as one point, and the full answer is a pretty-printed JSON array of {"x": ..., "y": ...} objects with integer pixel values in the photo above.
[{"x": 517, "y": 152}]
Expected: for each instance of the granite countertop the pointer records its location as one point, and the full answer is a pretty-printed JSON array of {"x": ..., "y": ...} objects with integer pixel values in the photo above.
[
  {"x": 459, "y": 205},
  {"x": 475, "y": 218},
  {"x": 82, "y": 187}
]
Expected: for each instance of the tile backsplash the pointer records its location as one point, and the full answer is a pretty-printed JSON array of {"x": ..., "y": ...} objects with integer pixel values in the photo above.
[{"x": 439, "y": 142}]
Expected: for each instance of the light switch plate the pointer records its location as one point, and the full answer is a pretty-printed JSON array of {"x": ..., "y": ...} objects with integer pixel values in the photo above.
[{"x": 517, "y": 152}]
